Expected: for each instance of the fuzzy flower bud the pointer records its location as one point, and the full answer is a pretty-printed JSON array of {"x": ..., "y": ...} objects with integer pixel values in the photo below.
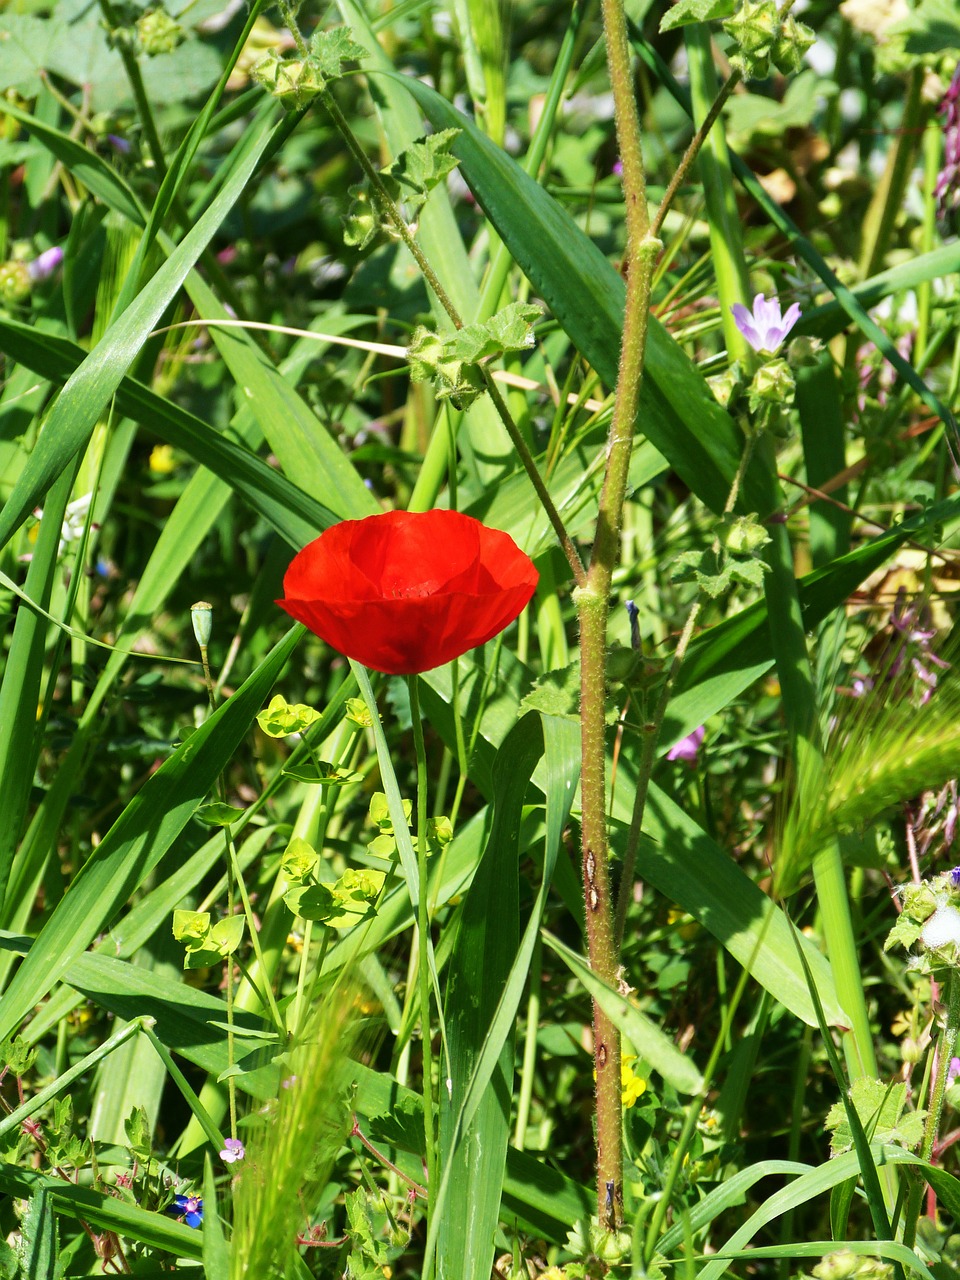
[
  {"x": 772, "y": 384},
  {"x": 14, "y": 282},
  {"x": 158, "y": 33}
]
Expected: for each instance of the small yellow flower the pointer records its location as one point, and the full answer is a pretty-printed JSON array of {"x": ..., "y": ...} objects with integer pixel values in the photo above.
[
  {"x": 162, "y": 460},
  {"x": 633, "y": 1085}
]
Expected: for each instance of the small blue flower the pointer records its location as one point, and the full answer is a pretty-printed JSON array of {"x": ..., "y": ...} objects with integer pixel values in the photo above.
[
  {"x": 955, "y": 877},
  {"x": 189, "y": 1208}
]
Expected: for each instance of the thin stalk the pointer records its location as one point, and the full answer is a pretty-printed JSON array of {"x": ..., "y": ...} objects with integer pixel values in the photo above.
[
  {"x": 888, "y": 197},
  {"x": 529, "y": 1047},
  {"x": 662, "y": 1205},
  {"x": 693, "y": 150},
  {"x": 423, "y": 932},
  {"x": 932, "y": 148},
  {"x": 392, "y": 212},
  {"x": 726, "y": 236},
  {"x": 132, "y": 68}
]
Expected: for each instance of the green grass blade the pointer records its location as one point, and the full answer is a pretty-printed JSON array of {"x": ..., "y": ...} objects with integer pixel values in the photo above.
[
  {"x": 103, "y": 1212},
  {"x": 138, "y": 839},
  {"x": 296, "y": 515},
  {"x": 484, "y": 952},
  {"x": 652, "y": 1045},
  {"x": 91, "y": 386}
]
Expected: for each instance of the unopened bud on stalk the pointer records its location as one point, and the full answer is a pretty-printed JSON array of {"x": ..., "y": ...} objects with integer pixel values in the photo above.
[{"x": 201, "y": 615}]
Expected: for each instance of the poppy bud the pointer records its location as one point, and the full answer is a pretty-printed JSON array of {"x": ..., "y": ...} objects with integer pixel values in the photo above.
[{"x": 201, "y": 615}]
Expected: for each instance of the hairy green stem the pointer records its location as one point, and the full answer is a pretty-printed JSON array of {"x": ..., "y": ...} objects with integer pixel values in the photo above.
[
  {"x": 693, "y": 150},
  {"x": 593, "y": 607}
]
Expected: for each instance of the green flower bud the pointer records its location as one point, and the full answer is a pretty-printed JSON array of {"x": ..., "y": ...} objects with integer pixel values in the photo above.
[
  {"x": 725, "y": 386},
  {"x": 746, "y": 536},
  {"x": 158, "y": 33},
  {"x": 14, "y": 282},
  {"x": 756, "y": 29},
  {"x": 201, "y": 615},
  {"x": 794, "y": 41},
  {"x": 772, "y": 384},
  {"x": 837, "y": 1266},
  {"x": 293, "y": 83},
  {"x": 804, "y": 352}
]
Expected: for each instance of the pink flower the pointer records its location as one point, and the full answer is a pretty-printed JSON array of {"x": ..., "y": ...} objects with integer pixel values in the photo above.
[
  {"x": 764, "y": 327},
  {"x": 687, "y": 748},
  {"x": 233, "y": 1150}
]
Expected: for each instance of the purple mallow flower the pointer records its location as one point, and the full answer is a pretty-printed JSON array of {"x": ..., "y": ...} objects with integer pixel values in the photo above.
[
  {"x": 233, "y": 1150},
  {"x": 688, "y": 748},
  {"x": 43, "y": 267},
  {"x": 953, "y": 1070},
  {"x": 764, "y": 327}
]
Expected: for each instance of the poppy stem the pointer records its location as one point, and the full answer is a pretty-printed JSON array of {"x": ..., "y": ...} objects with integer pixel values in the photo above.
[
  {"x": 393, "y": 213},
  {"x": 423, "y": 935}
]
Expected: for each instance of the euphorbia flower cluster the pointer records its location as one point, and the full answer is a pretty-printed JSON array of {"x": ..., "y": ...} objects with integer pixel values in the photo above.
[{"x": 405, "y": 592}]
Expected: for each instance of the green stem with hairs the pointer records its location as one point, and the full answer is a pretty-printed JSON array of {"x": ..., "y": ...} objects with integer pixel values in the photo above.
[
  {"x": 391, "y": 211},
  {"x": 593, "y": 607}
]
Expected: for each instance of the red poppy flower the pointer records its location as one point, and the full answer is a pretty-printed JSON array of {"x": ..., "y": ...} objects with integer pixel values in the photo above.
[{"x": 408, "y": 591}]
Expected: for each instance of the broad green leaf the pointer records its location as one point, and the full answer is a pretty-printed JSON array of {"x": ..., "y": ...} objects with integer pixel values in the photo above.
[
  {"x": 296, "y": 515},
  {"x": 685, "y": 11},
  {"x": 103, "y": 1212}
]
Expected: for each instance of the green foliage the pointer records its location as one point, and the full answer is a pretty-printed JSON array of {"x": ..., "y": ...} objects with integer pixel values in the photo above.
[
  {"x": 186, "y": 463},
  {"x": 881, "y": 1108},
  {"x": 686, "y": 11}
]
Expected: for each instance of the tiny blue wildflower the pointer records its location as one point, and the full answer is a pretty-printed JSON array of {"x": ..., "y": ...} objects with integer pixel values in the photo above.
[
  {"x": 955, "y": 877},
  {"x": 189, "y": 1208},
  {"x": 764, "y": 327}
]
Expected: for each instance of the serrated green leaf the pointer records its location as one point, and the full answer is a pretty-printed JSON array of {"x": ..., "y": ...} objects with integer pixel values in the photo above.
[
  {"x": 331, "y": 49},
  {"x": 509, "y": 330},
  {"x": 424, "y": 163},
  {"x": 555, "y": 693},
  {"x": 686, "y": 11}
]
